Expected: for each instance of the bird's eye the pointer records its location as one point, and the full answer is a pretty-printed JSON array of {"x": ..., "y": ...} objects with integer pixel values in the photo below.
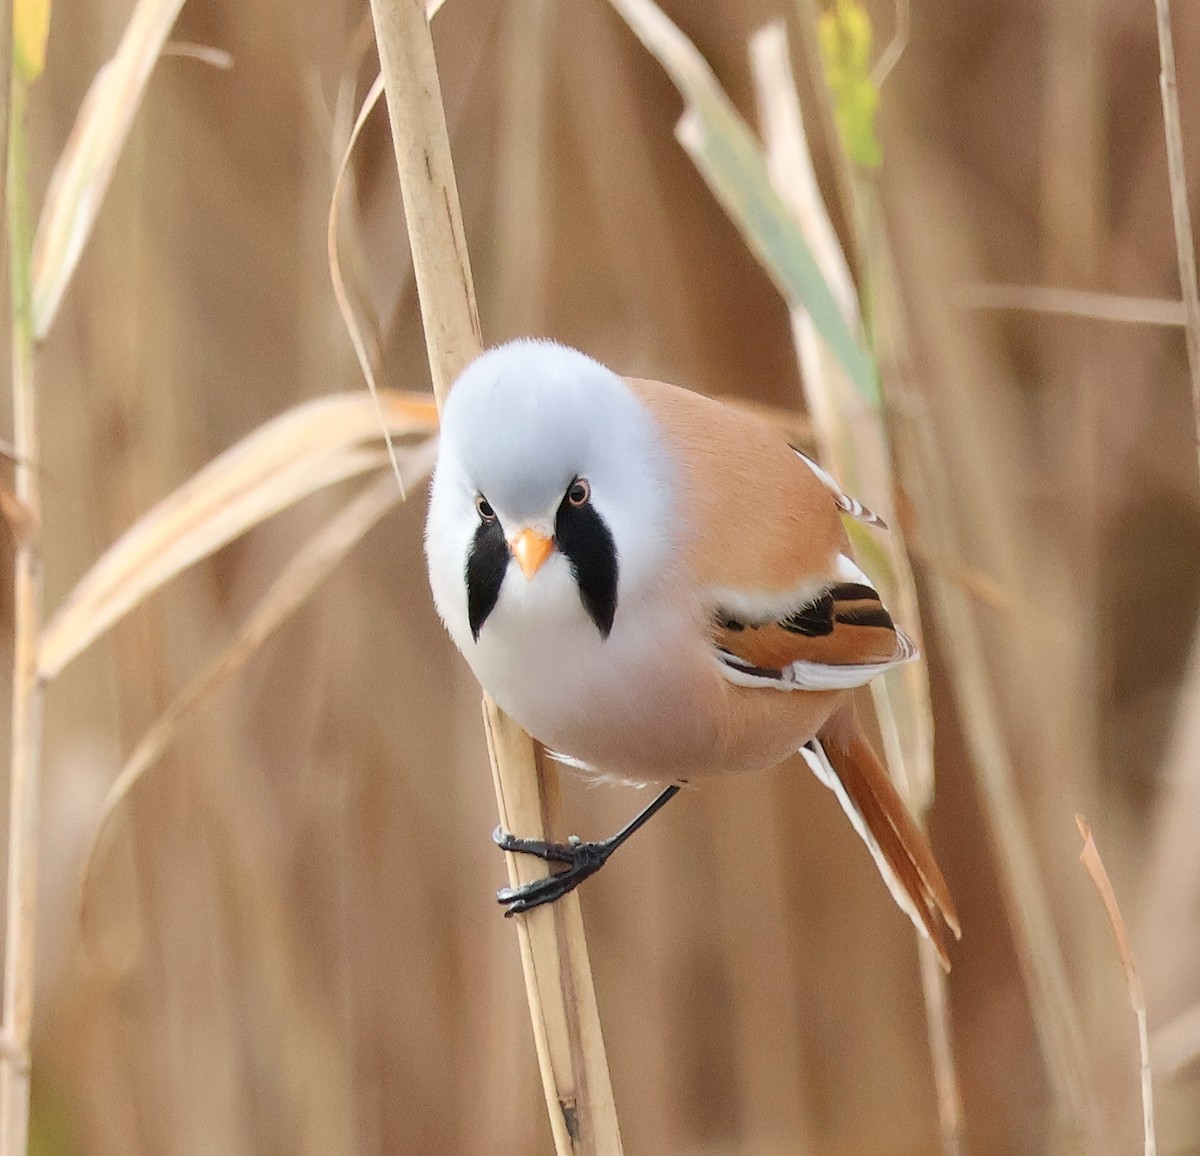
[
  {"x": 486, "y": 513},
  {"x": 579, "y": 493}
]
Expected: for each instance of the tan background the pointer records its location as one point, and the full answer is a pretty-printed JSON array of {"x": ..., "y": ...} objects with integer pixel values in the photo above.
[{"x": 299, "y": 948}]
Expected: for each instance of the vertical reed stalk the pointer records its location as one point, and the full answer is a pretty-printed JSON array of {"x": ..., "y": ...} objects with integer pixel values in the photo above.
[
  {"x": 1184, "y": 243},
  {"x": 6, "y": 75},
  {"x": 789, "y": 163},
  {"x": 558, "y": 977},
  {"x": 27, "y": 692},
  {"x": 1094, "y": 865}
]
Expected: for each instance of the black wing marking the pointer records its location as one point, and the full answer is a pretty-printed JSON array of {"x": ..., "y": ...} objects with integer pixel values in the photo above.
[{"x": 842, "y": 638}]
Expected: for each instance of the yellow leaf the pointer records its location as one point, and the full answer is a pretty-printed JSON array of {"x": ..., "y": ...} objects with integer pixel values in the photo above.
[
  {"x": 31, "y": 25},
  {"x": 844, "y": 34}
]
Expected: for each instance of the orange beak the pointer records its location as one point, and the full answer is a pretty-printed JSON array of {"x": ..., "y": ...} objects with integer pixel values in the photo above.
[{"x": 531, "y": 550}]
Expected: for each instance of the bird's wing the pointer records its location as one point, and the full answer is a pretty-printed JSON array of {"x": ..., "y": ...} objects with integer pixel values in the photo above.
[
  {"x": 766, "y": 545},
  {"x": 841, "y": 638}
]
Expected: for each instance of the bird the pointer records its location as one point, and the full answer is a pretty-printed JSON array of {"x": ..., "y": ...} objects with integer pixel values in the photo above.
[{"x": 659, "y": 589}]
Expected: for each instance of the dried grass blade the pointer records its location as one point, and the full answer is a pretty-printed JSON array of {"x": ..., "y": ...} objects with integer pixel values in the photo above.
[
  {"x": 365, "y": 337},
  {"x": 85, "y": 166},
  {"x": 308, "y": 568},
  {"x": 309, "y": 447},
  {"x": 1185, "y": 247},
  {"x": 1074, "y": 303},
  {"x": 730, "y": 160},
  {"x": 890, "y": 56},
  {"x": 209, "y": 54},
  {"x": 1094, "y": 865}
]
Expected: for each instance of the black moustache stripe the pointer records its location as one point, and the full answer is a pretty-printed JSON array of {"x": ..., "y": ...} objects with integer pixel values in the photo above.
[
  {"x": 487, "y": 562},
  {"x": 584, "y": 539}
]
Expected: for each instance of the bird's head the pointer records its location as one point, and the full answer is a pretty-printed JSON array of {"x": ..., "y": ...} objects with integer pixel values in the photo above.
[{"x": 550, "y": 492}]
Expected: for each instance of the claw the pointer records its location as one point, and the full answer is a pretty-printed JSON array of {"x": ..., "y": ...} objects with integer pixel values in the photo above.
[{"x": 581, "y": 860}]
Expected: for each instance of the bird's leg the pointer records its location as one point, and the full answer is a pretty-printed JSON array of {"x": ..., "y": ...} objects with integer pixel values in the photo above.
[{"x": 581, "y": 859}]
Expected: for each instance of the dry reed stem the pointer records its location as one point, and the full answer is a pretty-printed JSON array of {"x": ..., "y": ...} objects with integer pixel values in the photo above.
[
  {"x": 6, "y": 74},
  {"x": 559, "y": 983},
  {"x": 307, "y": 569},
  {"x": 1184, "y": 243},
  {"x": 1074, "y": 303},
  {"x": 1056, "y": 1019},
  {"x": 890, "y": 56},
  {"x": 791, "y": 168},
  {"x": 208, "y": 54},
  {"x": 85, "y": 166},
  {"x": 1035, "y": 938},
  {"x": 1170, "y": 888},
  {"x": 27, "y": 688},
  {"x": 939, "y": 1030},
  {"x": 1090, "y": 858},
  {"x": 1022, "y": 887},
  {"x": 40, "y": 275}
]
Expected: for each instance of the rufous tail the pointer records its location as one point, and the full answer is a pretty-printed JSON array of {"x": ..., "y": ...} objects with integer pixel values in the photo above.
[{"x": 843, "y": 760}]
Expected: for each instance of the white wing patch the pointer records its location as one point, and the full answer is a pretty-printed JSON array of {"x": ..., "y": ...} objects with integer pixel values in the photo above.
[
  {"x": 816, "y": 675},
  {"x": 848, "y": 571},
  {"x": 845, "y": 503},
  {"x": 757, "y": 607},
  {"x": 824, "y": 676}
]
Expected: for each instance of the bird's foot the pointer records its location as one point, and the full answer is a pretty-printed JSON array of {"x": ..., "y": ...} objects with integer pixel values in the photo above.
[{"x": 581, "y": 859}]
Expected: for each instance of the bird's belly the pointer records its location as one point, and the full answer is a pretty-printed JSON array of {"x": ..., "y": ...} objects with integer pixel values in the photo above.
[{"x": 637, "y": 705}]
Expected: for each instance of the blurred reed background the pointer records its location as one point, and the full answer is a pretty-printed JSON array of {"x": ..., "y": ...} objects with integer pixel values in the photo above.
[{"x": 295, "y": 946}]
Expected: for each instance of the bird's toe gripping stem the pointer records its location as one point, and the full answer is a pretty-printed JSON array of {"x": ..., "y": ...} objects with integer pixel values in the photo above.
[{"x": 581, "y": 859}]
